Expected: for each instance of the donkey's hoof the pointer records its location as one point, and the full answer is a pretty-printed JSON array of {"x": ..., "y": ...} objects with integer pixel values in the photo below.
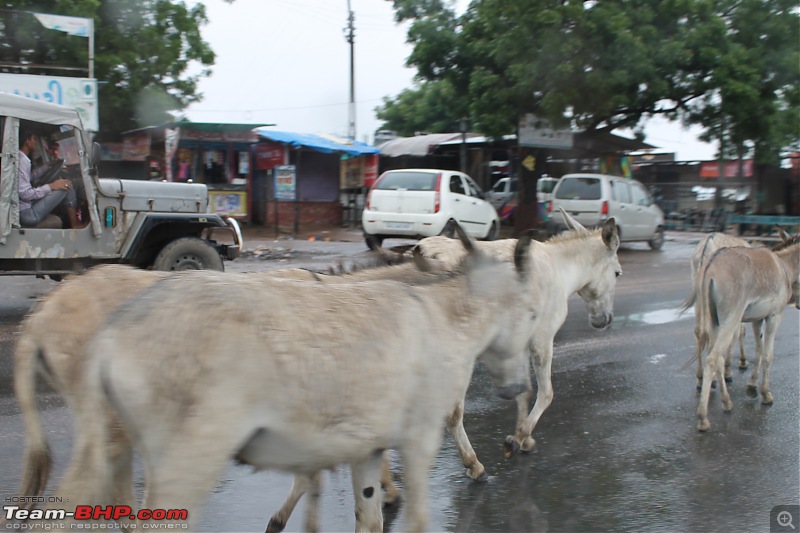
[
  {"x": 510, "y": 447},
  {"x": 727, "y": 405},
  {"x": 703, "y": 425},
  {"x": 743, "y": 366},
  {"x": 527, "y": 445},
  {"x": 728, "y": 379},
  {"x": 275, "y": 526},
  {"x": 766, "y": 399},
  {"x": 482, "y": 478},
  {"x": 752, "y": 391},
  {"x": 391, "y": 501}
]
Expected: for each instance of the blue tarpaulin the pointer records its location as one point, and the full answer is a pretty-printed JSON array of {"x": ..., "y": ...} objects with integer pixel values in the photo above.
[{"x": 328, "y": 144}]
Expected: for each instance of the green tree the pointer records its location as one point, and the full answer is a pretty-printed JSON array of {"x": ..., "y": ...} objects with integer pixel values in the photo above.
[
  {"x": 144, "y": 51},
  {"x": 730, "y": 64}
]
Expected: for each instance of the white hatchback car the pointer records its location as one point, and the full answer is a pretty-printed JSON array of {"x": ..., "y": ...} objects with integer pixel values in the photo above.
[
  {"x": 594, "y": 198},
  {"x": 415, "y": 202}
]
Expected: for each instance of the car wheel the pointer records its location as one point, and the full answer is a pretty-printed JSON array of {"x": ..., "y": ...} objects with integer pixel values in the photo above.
[
  {"x": 494, "y": 232},
  {"x": 188, "y": 253},
  {"x": 658, "y": 241},
  {"x": 373, "y": 241}
]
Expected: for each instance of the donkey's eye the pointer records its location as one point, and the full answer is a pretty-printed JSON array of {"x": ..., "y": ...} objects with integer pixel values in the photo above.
[{"x": 618, "y": 273}]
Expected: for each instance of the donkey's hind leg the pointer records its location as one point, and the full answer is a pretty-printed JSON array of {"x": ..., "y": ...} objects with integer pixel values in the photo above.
[
  {"x": 300, "y": 485},
  {"x": 752, "y": 389},
  {"x": 742, "y": 358},
  {"x": 772, "y": 323}
]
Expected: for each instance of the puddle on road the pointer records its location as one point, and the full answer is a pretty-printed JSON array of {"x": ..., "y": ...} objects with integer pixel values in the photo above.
[{"x": 654, "y": 318}]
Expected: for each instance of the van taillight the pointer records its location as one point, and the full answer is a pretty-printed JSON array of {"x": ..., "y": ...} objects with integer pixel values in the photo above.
[
  {"x": 604, "y": 209},
  {"x": 550, "y": 206},
  {"x": 369, "y": 200},
  {"x": 437, "y": 195}
]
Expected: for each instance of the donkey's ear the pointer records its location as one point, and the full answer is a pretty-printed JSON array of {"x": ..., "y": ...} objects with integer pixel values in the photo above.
[
  {"x": 420, "y": 260},
  {"x": 782, "y": 233},
  {"x": 610, "y": 234},
  {"x": 521, "y": 257},
  {"x": 571, "y": 222},
  {"x": 469, "y": 246}
]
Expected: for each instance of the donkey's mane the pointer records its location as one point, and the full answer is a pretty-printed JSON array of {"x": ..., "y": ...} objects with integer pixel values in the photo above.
[
  {"x": 383, "y": 260},
  {"x": 572, "y": 235},
  {"x": 791, "y": 241}
]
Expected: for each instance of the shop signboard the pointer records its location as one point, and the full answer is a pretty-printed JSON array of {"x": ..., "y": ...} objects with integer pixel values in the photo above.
[
  {"x": 270, "y": 155},
  {"x": 228, "y": 203},
  {"x": 79, "y": 93},
  {"x": 539, "y": 133},
  {"x": 285, "y": 183}
]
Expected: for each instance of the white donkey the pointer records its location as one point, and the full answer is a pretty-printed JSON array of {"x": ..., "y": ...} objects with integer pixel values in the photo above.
[
  {"x": 702, "y": 252},
  {"x": 579, "y": 261},
  {"x": 744, "y": 285},
  {"x": 53, "y": 343},
  {"x": 297, "y": 376}
]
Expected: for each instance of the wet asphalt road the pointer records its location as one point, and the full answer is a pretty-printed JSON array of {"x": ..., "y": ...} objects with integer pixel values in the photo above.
[{"x": 616, "y": 451}]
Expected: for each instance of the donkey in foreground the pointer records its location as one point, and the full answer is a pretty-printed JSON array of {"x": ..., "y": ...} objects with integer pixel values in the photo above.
[
  {"x": 744, "y": 285},
  {"x": 579, "y": 261},
  {"x": 54, "y": 347},
  {"x": 306, "y": 379},
  {"x": 53, "y": 344}
]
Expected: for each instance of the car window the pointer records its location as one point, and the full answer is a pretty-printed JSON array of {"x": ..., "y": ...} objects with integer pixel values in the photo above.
[
  {"x": 456, "y": 185},
  {"x": 579, "y": 189},
  {"x": 473, "y": 188},
  {"x": 621, "y": 191},
  {"x": 639, "y": 195},
  {"x": 499, "y": 186},
  {"x": 408, "y": 181}
]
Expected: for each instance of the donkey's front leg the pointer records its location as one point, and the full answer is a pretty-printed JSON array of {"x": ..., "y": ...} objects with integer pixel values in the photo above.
[
  {"x": 455, "y": 426},
  {"x": 367, "y": 493},
  {"x": 542, "y": 353}
]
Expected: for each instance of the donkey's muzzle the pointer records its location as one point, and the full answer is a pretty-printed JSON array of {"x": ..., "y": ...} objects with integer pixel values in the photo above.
[{"x": 602, "y": 321}]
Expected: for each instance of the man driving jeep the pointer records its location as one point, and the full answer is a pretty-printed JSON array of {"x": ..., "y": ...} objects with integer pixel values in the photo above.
[{"x": 35, "y": 203}]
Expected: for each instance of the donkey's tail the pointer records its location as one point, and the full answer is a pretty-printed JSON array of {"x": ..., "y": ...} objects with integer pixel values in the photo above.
[{"x": 37, "y": 461}]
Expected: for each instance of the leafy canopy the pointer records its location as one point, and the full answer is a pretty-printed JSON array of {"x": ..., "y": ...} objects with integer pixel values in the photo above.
[{"x": 602, "y": 65}]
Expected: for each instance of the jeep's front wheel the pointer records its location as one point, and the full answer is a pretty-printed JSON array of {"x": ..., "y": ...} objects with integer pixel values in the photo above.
[{"x": 188, "y": 253}]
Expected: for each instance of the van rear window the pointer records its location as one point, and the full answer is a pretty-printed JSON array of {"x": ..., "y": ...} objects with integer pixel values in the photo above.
[
  {"x": 579, "y": 189},
  {"x": 409, "y": 181}
]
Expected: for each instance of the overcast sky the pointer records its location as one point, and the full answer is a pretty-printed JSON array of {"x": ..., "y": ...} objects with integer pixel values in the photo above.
[{"x": 287, "y": 62}]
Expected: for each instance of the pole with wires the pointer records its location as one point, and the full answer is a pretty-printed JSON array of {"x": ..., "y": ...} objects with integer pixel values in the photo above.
[{"x": 350, "y": 36}]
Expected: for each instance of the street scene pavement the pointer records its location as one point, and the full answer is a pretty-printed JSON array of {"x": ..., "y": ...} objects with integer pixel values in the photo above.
[{"x": 617, "y": 450}]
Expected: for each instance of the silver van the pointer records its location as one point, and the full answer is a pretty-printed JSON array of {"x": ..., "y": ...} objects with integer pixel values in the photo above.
[{"x": 594, "y": 198}]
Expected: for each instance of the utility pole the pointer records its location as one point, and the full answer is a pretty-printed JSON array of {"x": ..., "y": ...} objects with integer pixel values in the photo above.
[{"x": 350, "y": 36}]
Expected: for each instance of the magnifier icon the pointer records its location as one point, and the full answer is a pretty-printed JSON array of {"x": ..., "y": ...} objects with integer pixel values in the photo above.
[{"x": 785, "y": 519}]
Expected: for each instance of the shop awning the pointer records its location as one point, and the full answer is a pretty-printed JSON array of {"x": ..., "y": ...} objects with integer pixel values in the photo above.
[{"x": 328, "y": 144}]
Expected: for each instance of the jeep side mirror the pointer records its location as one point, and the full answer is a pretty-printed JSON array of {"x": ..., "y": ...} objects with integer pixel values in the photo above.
[{"x": 97, "y": 153}]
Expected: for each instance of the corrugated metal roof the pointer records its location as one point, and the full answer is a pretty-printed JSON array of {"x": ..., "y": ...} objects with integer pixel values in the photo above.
[
  {"x": 419, "y": 145},
  {"x": 321, "y": 143}
]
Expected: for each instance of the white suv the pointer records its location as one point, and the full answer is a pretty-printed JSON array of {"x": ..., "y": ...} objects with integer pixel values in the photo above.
[
  {"x": 594, "y": 198},
  {"x": 416, "y": 202}
]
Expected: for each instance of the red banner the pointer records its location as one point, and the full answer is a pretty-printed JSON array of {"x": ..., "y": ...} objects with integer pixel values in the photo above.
[
  {"x": 270, "y": 155},
  {"x": 710, "y": 169}
]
